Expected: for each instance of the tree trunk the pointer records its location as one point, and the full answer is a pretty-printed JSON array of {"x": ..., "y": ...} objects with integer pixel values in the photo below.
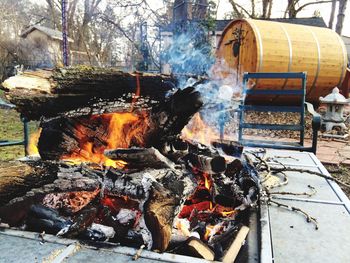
[
  {"x": 49, "y": 93},
  {"x": 341, "y": 16},
  {"x": 291, "y": 9},
  {"x": 331, "y": 18}
]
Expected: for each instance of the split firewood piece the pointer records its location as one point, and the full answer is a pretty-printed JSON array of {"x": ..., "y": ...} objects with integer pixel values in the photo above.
[
  {"x": 141, "y": 158},
  {"x": 52, "y": 92},
  {"x": 196, "y": 248},
  {"x": 159, "y": 215},
  {"x": 208, "y": 164},
  {"x": 236, "y": 245}
]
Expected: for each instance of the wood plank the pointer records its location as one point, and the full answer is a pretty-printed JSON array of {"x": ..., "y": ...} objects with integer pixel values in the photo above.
[{"x": 236, "y": 245}]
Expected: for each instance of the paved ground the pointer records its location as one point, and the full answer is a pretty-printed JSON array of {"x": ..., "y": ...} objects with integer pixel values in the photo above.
[{"x": 333, "y": 152}]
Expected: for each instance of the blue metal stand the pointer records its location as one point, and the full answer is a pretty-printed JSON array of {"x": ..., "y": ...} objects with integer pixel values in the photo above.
[
  {"x": 316, "y": 121},
  {"x": 24, "y": 142}
]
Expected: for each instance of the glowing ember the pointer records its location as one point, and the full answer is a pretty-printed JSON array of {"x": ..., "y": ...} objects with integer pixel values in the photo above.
[
  {"x": 73, "y": 201},
  {"x": 32, "y": 147},
  {"x": 121, "y": 131}
]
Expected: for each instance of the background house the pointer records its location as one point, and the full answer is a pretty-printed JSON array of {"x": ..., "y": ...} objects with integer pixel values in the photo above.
[{"x": 44, "y": 46}]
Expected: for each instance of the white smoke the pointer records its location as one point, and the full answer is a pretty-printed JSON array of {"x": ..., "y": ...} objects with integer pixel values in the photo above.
[{"x": 220, "y": 92}]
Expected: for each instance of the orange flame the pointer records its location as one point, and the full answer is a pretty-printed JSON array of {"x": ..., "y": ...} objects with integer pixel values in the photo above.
[
  {"x": 228, "y": 213},
  {"x": 137, "y": 92},
  {"x": 121, "y": 131},
  {"x": 32, "y": 147},
  {"x": 206, "y": 181},
  {"x": 208, "y": 230},
  {"x": 197, "y": 130}
]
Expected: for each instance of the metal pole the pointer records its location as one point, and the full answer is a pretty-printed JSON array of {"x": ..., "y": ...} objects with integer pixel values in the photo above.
[{"x": 64, "y": 33}]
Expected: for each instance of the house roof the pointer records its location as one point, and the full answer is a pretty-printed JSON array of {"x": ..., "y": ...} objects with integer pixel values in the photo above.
[
  {"x": 54, "y": 34},
  {"x": 308, "y": 21}
]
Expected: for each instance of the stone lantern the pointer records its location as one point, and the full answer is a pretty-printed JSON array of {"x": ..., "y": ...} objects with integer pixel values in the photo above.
[{"x": 334, "y": 116}]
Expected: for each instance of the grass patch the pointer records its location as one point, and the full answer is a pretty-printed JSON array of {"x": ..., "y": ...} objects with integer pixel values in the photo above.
[{"x": 11, "y": 128}]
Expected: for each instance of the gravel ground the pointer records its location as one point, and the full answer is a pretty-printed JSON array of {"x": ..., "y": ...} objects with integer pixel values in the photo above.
[{"x": 343, "y": 174}]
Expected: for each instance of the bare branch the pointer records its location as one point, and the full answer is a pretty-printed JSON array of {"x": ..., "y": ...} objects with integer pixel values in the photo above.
[{"x": 312, "y": 3}]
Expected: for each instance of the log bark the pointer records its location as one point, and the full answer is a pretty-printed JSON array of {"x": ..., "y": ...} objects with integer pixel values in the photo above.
[
  {"x": 64, "y": 136},
  {"x": 16, "y": 178},
  {"x": 50, "y": 93},
  {"x": 159, "y": 216}
]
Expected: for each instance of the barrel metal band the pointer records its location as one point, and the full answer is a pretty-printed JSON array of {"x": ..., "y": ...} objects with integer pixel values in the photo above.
[
  {"x": 343, "y": 70},
  {"x": 318, "y": 61}
]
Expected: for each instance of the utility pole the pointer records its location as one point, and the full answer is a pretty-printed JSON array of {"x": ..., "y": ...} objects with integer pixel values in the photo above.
[{"x": 64, "y": 33}]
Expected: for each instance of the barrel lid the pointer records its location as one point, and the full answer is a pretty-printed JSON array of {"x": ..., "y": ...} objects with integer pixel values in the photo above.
[{"x": 335, "y": 98}]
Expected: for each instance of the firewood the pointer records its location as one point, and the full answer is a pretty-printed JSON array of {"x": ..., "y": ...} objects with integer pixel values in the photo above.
[
  {"x": 141, "y": 158},
  {"x": 197, "y": 248},
  {"x": 175, "y": 150},
  {"x": 159, "y": 215},
  {"x": 16, "y": 178},
  {"x": 64, "y": 136},
  {"x": 52, "y": 92},
  {"x": 231, "y": 148},
  {"x": 236, "y": 245},
  {"x": 208, "y": 164}
]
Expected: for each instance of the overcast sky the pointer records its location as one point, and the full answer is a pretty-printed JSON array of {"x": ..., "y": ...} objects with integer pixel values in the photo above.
[{"x": 279, "y": 6}]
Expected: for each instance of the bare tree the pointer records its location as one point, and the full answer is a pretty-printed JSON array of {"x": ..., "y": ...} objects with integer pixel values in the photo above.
[
  {"x": 266, "y": 8},
  {"x": 294, "y": 7},
  {"x": 331, "y": 18},
  {"x": 240, "y": 11},
  {"x": 341, "y": 16}
]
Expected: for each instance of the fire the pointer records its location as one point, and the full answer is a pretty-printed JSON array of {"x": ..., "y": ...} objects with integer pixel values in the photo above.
[
  {"x": 206, "y": 181},
  {"x": 121, "y": 131},
  {"x": 228, "y": 213},
  {"x": 197, "y": 130},
  {"x": 208, "y": 230},
  {"x": 32, "y": 147}
]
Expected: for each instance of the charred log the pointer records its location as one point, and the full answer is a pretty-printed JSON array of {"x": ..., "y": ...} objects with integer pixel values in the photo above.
[
  {"x": 67, "y": 136},
  {"x": 207, "y": 164},
  {"x": 18, "y": 177},
  {"x": 50, "y": 93},
  {"x": 141, "y": 158},
  {"x": 171, "y": 117}
]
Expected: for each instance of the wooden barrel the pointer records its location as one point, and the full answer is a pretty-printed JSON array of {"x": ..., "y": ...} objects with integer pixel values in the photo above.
[{"x": 249, "y": 45}]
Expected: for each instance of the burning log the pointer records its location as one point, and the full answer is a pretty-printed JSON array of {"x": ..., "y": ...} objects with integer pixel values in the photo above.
[
  {"x": 86, "y": 138},
  {"x": 50, "y": 93},
  {"x": 141, "y": 158},
  {"x": 50, "y": 178}
]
